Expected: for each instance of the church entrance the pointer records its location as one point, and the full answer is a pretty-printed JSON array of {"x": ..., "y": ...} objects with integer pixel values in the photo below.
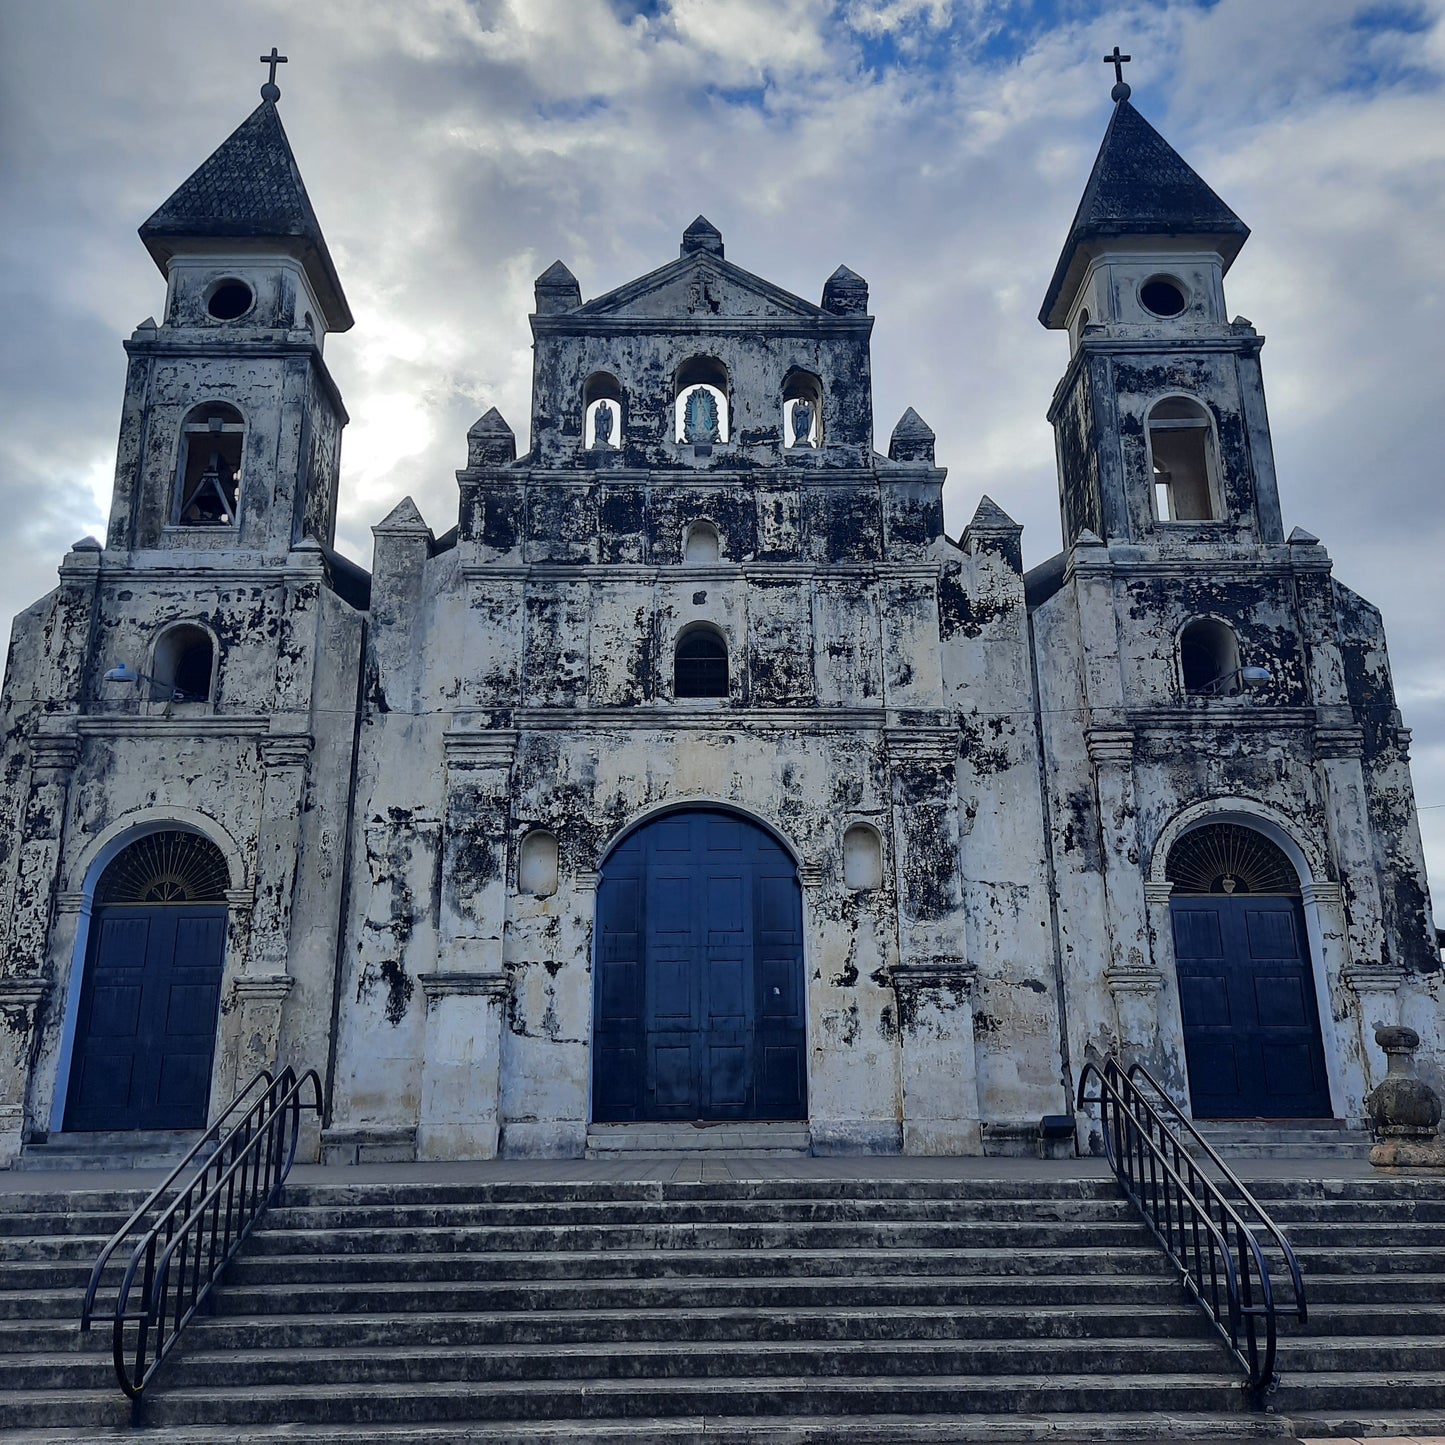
[
  {"x": 145, "y": 1033},
  {"x": 698, "y": 1010},
  {"x": 1251, "y": 1022}
]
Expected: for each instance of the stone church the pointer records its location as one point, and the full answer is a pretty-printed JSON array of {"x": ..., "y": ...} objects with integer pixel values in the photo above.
[{"x": 696, "y": 771}]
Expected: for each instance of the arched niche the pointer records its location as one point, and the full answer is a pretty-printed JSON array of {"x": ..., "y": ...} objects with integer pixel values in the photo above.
[
  {"x": 802, "y": 411},
  {"x": 602, "y": 392},
  {"x": 700, "y": 402},
  {"x": 183, "y": 666},
  {"x": 701, "y": 545},
  {"x": 537, "y": 864},
  {"x": 1209, "y": 658},
  {"x": 862, "y": 858}
]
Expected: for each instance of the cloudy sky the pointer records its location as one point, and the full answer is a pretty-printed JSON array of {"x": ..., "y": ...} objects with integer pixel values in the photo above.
[{"x": 454, "y": 148}]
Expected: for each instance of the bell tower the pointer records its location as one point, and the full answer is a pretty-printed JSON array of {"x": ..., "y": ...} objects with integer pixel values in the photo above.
[
  {"x": 1160, "y": 423},
  {"x": 231, "y": 424}
]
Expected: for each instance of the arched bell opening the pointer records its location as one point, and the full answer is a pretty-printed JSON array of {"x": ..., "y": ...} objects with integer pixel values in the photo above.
[
  {"x": 1247, "y": 991},
  {"x": 699, "y": 992},
  {"x": 143, "y": 1047}
]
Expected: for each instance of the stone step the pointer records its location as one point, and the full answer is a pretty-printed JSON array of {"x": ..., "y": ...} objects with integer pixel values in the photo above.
[
  {"x": 681, "y": 1293},
  {"x": 874, "y": 1429},
  {"x": 800, "y": 1235},
  {"x": 740, "y": 1140},
  {"x": 634, "y": 1399},
  {"x": 640, "y": 1320},
  {"x": 580, "y": 1363}
]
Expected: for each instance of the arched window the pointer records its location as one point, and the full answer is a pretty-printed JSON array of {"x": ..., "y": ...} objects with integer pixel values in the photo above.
[
  {"x": 537, "y": 864},
  {"x": 802, "y": 410},
  {"x": 700, "y": 401},
  {"x": 1209, "y": 659},
  {"x": 700, "y": 666},
  {"x": 1182, "y": 461},
  {"x": 208, "y": 472},
  {"x": 183, "y": 665},
  {"x": 602, "y": 412},
  {"x": 862, "y": 858},
  {"x": 702, "y": 544}
]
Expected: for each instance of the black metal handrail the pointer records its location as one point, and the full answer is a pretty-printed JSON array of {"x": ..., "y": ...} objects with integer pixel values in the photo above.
[
  {"x": 1221, "y": 1260},
  {"x": 183, "y": 1252},
  {"x": 213, "y": 1135}
]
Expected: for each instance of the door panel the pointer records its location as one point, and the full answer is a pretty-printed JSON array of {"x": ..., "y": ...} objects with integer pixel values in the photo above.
[
  {"x": 699, "y": 974},
  {"x": 146, "y": 1027},
  {"x": 1251, "y": 1024}
]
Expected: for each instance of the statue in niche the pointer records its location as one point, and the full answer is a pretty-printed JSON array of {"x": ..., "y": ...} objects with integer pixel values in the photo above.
[
  {"x": 699, "y": 417},
  {"x": 602, "y": 428},
  {"x": 803, "y": 423}
]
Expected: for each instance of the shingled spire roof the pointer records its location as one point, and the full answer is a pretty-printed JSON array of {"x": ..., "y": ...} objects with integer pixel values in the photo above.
[
  {"x": 249, "y": 189},
  {"x": 1141, "y": 186}
]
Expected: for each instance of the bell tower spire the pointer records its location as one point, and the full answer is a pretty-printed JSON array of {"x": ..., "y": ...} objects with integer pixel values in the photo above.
[
  {"x": 1162, "y": 434},
  {"x": 231, "y": 431}
]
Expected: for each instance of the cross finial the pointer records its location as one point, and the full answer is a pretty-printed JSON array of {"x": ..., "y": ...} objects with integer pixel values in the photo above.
[
  {"x": 271, "y": 91},
  {"x": 1121, "y": 86}
]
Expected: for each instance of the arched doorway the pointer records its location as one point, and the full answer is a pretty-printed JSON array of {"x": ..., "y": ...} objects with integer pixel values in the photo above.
[
  {"x": 698, "y": 1002},
  {"x": 1246, "y": 987},
  {"x": 145, "y": 1033}
]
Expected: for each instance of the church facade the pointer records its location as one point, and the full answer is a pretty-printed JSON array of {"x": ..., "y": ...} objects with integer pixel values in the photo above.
[{"x": 697, "y": 773}]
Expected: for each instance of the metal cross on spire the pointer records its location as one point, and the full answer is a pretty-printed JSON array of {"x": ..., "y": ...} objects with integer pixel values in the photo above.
[
  {"x": 1121, "y": 86},
  {"x": 271, "y": 91}
]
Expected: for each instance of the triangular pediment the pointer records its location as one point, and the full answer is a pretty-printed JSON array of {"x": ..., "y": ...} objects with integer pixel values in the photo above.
[{"x": 697, "y": 285}]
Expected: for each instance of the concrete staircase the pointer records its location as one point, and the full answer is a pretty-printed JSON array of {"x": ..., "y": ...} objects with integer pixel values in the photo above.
[
  {"x": 1300, "y": 1139},
  {"x": 108, "y": 1150},
  {"x": 783, "y": 1310},
  {"x": 740, "y": 1140}
]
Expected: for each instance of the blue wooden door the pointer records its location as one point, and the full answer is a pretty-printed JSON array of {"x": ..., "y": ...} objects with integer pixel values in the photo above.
[
  {"x": 699, "y": 962},
  {"x": 1251, "y": 1025},
  {"x": 146, "y": 1030}
]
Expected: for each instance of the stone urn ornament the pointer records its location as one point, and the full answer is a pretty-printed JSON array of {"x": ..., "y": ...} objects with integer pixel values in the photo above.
[{"x": 1404, "y": 1110}]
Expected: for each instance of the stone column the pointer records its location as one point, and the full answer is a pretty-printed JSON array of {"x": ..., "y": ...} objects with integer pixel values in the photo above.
[
  {"x": 261, "y": 996},
  {"x": 53, "y": 756},
  {"x": 1338, "y": 753},
  {"x": 474, "y": 850},
  {"x": 21, "y": 1001},
  {"x": 940, "y": 1074},
  {"x": 285, "y": 757},
  {"x": 1132, "y": 975},
  {"x": 932, "y": 979},
  {"x": 461, "y": 1070}
]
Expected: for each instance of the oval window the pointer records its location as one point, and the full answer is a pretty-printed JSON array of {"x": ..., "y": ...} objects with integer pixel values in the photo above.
[
  {"x": 1163, "y": 296},
  {"x": 230, "y": 299}
]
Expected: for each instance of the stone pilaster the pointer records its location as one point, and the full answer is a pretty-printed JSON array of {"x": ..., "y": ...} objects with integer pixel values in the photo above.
[
  {"x": 53, "y": 756},
  {"x": 1338, "y": 752},
  {"x": 474, "y": 850},
  {"x": 261, "y": 996},
  {"x": 21, "y": 1001},
  {"x": 1132, "y": 975},
  {"x": 461, "y": 1070},
  {"x": 285, "y": 759},
  {"x": 940, "y": 1072}
]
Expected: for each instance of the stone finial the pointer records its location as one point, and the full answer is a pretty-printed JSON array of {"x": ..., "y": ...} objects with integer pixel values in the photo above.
[
  {"x": 845, "y": 292},
  {"x": 86, "y": 544},
  {"x": 993, "y": 530},
  {"x": 404, "y": 519},
  {"x": 1404, "y": 1110},
  {"x": 702, "y": 235},
  {"x": 912, "y": 439},
  {"x": 1300, "y": 538},
  {"x": 491, "y": 442},
  {"x": 557, "y": 290}
]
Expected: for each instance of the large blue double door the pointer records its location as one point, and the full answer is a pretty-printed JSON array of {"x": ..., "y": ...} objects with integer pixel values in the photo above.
[
  {"x": 699, "y": 975},
  {"x": 145, "y": 1034},
  {"x": 1251, "y": 1027}
]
